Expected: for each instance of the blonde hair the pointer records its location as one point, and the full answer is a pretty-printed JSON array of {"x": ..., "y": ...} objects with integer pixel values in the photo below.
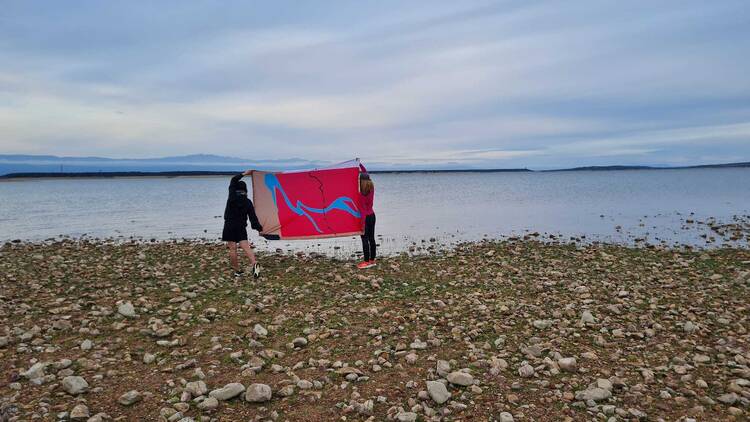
[{"x": 366, "y": 186}]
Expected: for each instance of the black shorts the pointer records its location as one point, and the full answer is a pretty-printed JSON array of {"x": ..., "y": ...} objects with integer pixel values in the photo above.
[{"x": 234, "y": 233}]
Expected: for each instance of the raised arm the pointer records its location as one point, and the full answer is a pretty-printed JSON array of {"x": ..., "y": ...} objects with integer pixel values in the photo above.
[{"x": 238, "y": 177}]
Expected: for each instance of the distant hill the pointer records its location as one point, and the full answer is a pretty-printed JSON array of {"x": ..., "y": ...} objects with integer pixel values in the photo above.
[
  {"x": 610, "y": 168},
  {"x": 46, "y": 164},
  {"x": 14, "y": 166}
]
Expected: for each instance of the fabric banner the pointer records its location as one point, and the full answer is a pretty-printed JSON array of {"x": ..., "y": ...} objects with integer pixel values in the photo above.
[{"x": 308, "y": 204}]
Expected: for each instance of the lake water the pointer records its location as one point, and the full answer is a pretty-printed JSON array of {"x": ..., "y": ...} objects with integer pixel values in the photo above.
[{"x": 414, "y": 211}]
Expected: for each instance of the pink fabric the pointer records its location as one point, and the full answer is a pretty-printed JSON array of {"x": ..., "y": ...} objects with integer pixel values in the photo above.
[{"x": 365, "y": 203}]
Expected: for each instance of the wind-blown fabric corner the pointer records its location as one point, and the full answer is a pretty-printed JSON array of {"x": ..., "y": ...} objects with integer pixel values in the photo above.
[{"x": 309, "y": 204}]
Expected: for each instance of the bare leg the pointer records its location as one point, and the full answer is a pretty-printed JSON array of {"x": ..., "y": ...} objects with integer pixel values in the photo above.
[
  {"x": 248, "y": 251},
  {"x": 233, "y": 255}
]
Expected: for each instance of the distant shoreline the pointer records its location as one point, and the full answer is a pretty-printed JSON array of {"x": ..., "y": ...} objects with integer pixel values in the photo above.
[{"x": 117, "y": 174}]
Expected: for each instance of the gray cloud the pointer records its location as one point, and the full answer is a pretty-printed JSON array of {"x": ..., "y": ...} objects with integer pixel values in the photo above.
[{"x": 535, "y": 84}]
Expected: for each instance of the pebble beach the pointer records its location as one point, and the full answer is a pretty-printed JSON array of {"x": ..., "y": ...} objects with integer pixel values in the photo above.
[{"x": 487, "y": 331}]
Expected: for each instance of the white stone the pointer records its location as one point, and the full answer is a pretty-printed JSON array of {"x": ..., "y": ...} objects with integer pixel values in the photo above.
[
  {"x": 460, "y": 378},
  {"x": 260, "y": 330},
  {"x": 196, "y": 388},
  {"x": 258, "y": 393},
  {"x": 79, "y": 412},
  {"x": 506, "y": 417},
  {"x": 587, "y": 317},
  {"x": 406, "y": 417},
  {"x": 568, "y": 364},
  {"x": 127, "y": 310},
  {"x": 210, "y": 403},
  {"x": 438, "y": 392},
  {"x": 228, "y": 391},
  {"x": 36, "y": 371},
  {"x": 130, "y": 398},
  {"x": 75, "y": 385}
]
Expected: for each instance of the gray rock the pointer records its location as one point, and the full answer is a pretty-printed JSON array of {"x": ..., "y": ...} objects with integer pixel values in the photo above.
[
  {"x": 418, "y": 344},
  {"x": 568, "y": 364},
  {"x": 228, "y": 391},
  {"x": 127, "y": 310},
  {"x": 443, "y": 368},
  {"x": 299, "y": 342},
  {"x": 196, "y": 388},
  {"x": 210, "y": 403},
  {"x": 260, "y": 330},
  {"x": 587, "y": 318},
  {"x": 36, "y": 371},
  {"x": 406, "y": 416},
  {"x": 75, "y": 385},
  {"x": 729, "y": 398},
  {"x": 506, "y": 417},
  {"x": 526, "y": 371},
  {"x": 99, "y": 417},
  {"x": 79, "y": 412},
  {"x": 460, "y": 378},
  {"x": 286, "y": 391},
  {"x": 258, "y": 393},
  {"x": 304, "y": 384},
  {"x": 593, "y": 393},
  {"x": 438, "y": 392},
  {"x": 86, "y": 345},
  {"x": 542, "y": 324},
  {"x": 130, "y": 398}
]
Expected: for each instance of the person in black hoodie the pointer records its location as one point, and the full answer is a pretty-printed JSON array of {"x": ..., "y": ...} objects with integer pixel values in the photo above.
[{"x": 239, "y": 209}]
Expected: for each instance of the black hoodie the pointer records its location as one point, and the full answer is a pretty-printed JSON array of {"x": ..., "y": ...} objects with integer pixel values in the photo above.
[{"x": 239, "y": 207}]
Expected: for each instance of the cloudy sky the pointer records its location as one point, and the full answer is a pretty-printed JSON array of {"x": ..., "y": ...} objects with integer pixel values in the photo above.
[{"x": 535, "y": 84}]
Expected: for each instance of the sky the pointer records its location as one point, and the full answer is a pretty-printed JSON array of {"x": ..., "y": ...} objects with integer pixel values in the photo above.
[{"x": 506, "y": 84}]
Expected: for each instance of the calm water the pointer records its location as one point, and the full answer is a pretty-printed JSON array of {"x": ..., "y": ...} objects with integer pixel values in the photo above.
[{"x": 612, "y": 206}]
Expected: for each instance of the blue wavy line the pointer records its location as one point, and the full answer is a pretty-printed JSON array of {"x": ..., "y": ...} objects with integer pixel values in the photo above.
[{"x": 340, "y": 203}]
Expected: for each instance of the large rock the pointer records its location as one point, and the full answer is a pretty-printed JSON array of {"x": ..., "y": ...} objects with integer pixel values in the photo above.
[
  {"x": 258, "y": 393},
  {"x": 127, "y": 310},
  {"x": 506, "y": 417},
  {"x": 460, "y": 378},
  {"x": 260, "y": 330},
  {"x": 210, "y": 403},
  {"x": 443, "y": 368},
  {"x": 196, "y": 388},
  {"x": 130, "y": 398},
  {"x": 75, "y": 385},
  {"x": 406, "y": 416},
  {"x": 568, "y": 364},
  {"x": 438, "y": 392},
  {"x": 79, "y": 412},
  {"x": 587, "y": 318},
  {"x": 526, "y": 371},
  {"x": 593, "y": 393},
  {"x": 228, "y": 391},
  {"x": 729, "y": 398},
  {"x": 36, "y": 371}
]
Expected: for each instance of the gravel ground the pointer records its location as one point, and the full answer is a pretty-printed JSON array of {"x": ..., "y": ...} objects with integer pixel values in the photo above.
[{"x": 504, "y": 331}]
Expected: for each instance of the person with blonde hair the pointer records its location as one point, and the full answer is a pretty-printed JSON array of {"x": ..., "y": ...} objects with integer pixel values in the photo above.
[{"x": 366, "y": 197}]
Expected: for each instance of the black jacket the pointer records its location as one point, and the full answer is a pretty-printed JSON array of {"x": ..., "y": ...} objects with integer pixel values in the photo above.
[{"x": 239, "y": 208}]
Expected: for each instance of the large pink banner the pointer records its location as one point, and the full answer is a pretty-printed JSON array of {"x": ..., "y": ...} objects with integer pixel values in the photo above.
[{"x": 308, "y": 204}]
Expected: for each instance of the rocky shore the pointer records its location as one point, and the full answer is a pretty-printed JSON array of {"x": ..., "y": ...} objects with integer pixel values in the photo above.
[{"x": 501, "y": 331}]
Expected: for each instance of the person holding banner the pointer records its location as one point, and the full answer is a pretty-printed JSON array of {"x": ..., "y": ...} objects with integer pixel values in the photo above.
[
  {"x": 238, "y": 211},
  {"x": 366, "y": 198}
]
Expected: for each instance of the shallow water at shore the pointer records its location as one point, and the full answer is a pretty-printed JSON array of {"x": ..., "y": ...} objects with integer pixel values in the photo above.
[{"x": 696, "y": 207}]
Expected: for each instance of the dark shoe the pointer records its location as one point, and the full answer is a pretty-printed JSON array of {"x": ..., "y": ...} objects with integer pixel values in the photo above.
[
  {"x": 256, "y": 270},
  {"x": 239, "y": 273}
]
